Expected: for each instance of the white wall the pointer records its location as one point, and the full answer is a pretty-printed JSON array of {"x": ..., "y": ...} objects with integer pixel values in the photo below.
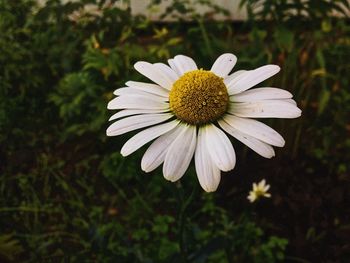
[{"x": 140, "y": 7}]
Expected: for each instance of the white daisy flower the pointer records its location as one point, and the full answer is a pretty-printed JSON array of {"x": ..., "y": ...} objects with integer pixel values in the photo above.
[
  {"x": 190, "y": 110},
  {"x": 259, "y": 190}
]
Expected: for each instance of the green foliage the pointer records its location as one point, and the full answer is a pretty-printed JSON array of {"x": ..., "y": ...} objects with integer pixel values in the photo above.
[
  {"x": 76, "y": 98},
  {"x": 297, "y": 11},
  {"x": 245, "y": 242},
  {"x": 9, "y": 247},
  {"x": 67, "y": 195}
]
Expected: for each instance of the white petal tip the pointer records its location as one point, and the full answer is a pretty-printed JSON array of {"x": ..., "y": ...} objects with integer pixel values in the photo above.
[
  {"x": 229, "y": 54},
  {"x": 227, "y": 169},
  {"x": 276, "y": 68},
  {"x": 109, "y": 106},
  {"x": 124, "y": 153},
  {"x": 109, "y": 132},
  {"x": 145, "y": 170},
  {"x": 231, "y": 57},
  {"x": 145, "y": 167},
  {"x": 170, "y": 178},
  {"x": 296, "y": 114},
  {"x": 139, "y": 64},
  {"x": 210, "y": 189},
  {"x": 180, "y": 56},
  {"x": 111, "y": 118}
]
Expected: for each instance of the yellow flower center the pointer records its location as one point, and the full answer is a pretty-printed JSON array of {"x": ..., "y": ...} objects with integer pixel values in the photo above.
[
  {"x": 199, "y": 97},
  {"x": 259, "y": 193}
]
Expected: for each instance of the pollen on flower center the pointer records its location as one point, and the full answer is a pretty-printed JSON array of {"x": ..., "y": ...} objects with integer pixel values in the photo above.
[{"x": 199, "y": 97}]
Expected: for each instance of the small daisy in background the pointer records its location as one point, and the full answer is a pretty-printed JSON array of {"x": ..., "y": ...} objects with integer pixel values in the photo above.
[
  {"x": 259, "y": 190},
  {"x": 189, "y": 110}
]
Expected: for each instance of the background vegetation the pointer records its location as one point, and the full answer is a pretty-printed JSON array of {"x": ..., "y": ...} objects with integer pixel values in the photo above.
[{"x": 67, "y": 195}]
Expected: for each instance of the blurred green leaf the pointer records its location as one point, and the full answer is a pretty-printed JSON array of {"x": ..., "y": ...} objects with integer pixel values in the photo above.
[
  {"x": 9, "y": 247},
  {"x": 284, "y": 38}
]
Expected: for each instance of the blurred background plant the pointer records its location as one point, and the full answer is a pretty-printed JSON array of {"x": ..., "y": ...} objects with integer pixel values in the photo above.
[{"x": 67, "y": 195}]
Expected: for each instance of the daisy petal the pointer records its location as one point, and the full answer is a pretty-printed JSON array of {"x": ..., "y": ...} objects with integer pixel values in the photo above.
[
  {"x": 224, "y": 64},
  {"x": 137, "y": 102},
  {"x": 167, "y": 71},
  {"x": 265, "y": 109},
  {"x": 261, "y": 184},
  {"x": 261, "y": 94},
  {"x": 173, "y": 66},
  {"x": 115, "y": 92},
  {"x": 138, "y": 91},
  {"x": 124, "y": 113},
  {"x": 232, "y": 79},
  {"x": 154, "y": 74},
  {"x": 291, "y": 101},
  {"x": 184, "y": 64},
  {"x": 251, "y": 197},
  {"x": 251, "y": 78},
  {"x": 145, "y": 136},
  {"x": 180, "y": 153},
  {"x": 255, "y": 129},
  {"x": 233, "y": 76},
  {"x": 208, "y": 174},
  {"x": 220, "y": 148},
  {"x": 155, "y": 154},
  {"x": 256, "y": 145},
  {"x": 149, "y": 87},
  {"x": 136, "y": 122}
]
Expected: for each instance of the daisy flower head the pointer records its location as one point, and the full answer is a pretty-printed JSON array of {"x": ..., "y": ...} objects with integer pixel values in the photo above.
[
  {"x": 188, "y": 112},
  {"x": 259, "y": 190}
]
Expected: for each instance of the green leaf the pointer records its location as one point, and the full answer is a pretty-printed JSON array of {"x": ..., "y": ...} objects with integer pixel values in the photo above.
[
  {"x": 9, "y": 247},
  {"x": 323, "y": 101},
  {"x": 284, "y": 38}
]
